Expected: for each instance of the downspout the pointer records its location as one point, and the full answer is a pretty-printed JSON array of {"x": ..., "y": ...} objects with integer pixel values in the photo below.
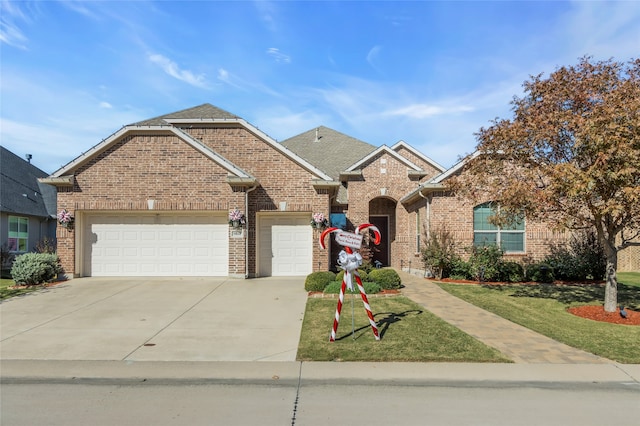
[{"x": 246, "y": 240}]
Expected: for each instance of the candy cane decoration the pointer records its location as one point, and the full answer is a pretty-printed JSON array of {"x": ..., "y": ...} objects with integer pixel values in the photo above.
[{"x": 350, "y": 261}]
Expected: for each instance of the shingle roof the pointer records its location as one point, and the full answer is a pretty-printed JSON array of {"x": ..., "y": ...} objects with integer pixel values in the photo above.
[
  {"x": 21, "y": 192},
  {"x": 200, "y": 111},
  {"x": 329, "y": 150}
]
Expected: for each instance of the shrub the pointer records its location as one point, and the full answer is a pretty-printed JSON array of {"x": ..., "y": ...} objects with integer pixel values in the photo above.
[
  {"x": 460, "y": 270},
  {"x": 364, "y": 276},
  {"x": 386, "y": 278},
  {"x": 35, "y": 268},
  {"x": 45, "y": 245},
  {"x": 582, "y": 257},
  {"x": 439, "y": 252},
  {"x": 369, "y": 288},
  {"x": 317, "y": 281},
  {"x": 511, "y": 272},
  {"x": 485, "y": 262},
  {"x": 540, "y": 272},
  {"x": 586, "y": 246}
]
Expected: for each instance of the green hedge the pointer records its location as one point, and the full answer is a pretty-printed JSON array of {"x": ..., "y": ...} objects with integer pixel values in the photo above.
[
  {"x": 363, "y": 275},
  {"x": 369, "y": 288},
  {"x": 386, "y": 278},
  {"x": 36, "y": 268},
  {"x": 317, "y": 281}
]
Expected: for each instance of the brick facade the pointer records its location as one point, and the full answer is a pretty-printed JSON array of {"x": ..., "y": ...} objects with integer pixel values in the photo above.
[
  {"x": 212, "y": 167},
  {"x": 164, "y": 168}
]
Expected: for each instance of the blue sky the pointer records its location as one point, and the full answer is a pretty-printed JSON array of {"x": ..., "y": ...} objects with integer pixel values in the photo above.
[{"x": 429, "y": 73}]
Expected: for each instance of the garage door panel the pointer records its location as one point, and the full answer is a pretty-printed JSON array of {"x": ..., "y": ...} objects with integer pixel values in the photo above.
[
  {"x": 286, "y": 245},
  {"x": 151, "y": 245}
]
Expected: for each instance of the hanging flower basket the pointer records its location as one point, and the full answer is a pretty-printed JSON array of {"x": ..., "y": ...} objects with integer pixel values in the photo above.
[
  {"x": 65, "y": 219},
  {"x": 236, "y": 218},
  {"x": 319, "y": 221}
]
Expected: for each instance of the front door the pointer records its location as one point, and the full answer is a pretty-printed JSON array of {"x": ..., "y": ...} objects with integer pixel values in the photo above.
[{"x": 381, "y": 251}]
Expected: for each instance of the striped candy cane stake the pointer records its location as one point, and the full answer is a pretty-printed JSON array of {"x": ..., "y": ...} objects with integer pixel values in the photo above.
[
  {"x": 365, "y": 301},
  {"x": 336, "y": 318},
  {"x": 347, "y": 276}
]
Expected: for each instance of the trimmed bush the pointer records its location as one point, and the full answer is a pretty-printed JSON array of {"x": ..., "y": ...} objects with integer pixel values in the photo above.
[
  {"x": 317, "y": 281},
  {"x": 386, "y": 278},
  {"x": 36, "y": 268},
  {"x": 369, "y": 288},
  {"x": 511, "y": 272},
  {"x": 540, "y": 272},
  {"x": 363, "y": 275}
]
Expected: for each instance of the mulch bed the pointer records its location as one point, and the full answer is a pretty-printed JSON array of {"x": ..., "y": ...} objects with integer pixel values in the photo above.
[{"x": 597, "y": 313}]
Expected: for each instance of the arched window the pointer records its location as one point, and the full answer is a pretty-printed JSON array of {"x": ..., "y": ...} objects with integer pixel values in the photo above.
[{"x": 510, "y": 238}]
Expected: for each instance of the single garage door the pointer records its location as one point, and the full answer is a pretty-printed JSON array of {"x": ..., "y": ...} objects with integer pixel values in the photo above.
[
  {"x": 155, "y": 245},
  {"x": 286, "y": 247}
]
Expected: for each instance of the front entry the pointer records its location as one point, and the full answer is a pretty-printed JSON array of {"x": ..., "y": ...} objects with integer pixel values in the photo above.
[{"x": 381, "y": 251}]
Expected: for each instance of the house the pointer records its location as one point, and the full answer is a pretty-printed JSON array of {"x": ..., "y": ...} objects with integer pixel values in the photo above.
[
  {"x": 156, "y": 198},
  {"x": 27, "y": 207}
]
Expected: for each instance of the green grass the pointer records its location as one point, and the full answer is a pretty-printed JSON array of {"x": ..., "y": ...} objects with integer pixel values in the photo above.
[
  {"x": 407, "y": 331},
  {"x": 6, "y": 292},
  {"x": 543, "y": 308},
  {"x": 629, "y": 278}
]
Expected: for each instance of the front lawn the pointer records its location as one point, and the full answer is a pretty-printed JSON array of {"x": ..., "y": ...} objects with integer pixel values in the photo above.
[
  {"x": 6, "y": 292},
  {"x": 408, "y": 333},
  {"x": 543, "y": 308}
]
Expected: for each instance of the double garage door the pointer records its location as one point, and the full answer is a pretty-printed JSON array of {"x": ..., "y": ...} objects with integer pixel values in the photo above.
[
  {"x": 155, "y": 245},
  {"x": 190, "y": 245}
]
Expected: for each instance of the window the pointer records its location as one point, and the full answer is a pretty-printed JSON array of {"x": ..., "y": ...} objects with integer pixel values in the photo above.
[
  {"x": 418, "y": 231},
  {"x": 510, "y": 239},
  {"x": 18, "y": 233}
]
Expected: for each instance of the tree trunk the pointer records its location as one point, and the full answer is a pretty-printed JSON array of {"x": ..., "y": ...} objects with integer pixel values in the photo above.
[{"x": 611, "y": 288}]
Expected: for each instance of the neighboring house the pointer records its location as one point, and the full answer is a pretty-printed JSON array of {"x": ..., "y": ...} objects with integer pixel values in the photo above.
[
  {"x": 155, "y": 197},
  {"x": 27, "y": 207}
]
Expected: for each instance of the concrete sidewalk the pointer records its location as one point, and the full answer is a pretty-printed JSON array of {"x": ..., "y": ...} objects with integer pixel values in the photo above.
[
  {"x": 291, "y": 373},
  {"x": 516, "y": 342}
]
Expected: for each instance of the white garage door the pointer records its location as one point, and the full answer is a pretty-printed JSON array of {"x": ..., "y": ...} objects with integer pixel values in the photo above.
[
  {"x": 286, "y": 247},
  {"x": 155, "y": 245}
]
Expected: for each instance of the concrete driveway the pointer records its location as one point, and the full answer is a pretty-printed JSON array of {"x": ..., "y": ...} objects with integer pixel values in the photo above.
[{"x": 156, "y": 319}]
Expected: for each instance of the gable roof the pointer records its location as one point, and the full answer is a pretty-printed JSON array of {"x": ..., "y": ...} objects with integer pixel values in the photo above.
[
  {"x": 328, "y": 149},
  {"x": 197, "y": 112},
  {"x": 380, "y": 150},
  {"x": 202, "y": 114},
  {"x": 403, "y": 144},
  {"x": 21, "y": 192},
  {"x": 230, "y": 167},
  {"x": 436, "y": 184}
]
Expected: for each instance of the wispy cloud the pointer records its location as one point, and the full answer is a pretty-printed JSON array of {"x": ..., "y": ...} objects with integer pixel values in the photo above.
[
  {"x": 278, "y": 56},
  {"x": 267, "y": 11},
  {"x": 174, "y": 70},
  {"x": 105, "y": 105},
  {"x": 427, "y": 110},
  {"x": 372, "y": 57},
  {"x": 10, "y": 32}
]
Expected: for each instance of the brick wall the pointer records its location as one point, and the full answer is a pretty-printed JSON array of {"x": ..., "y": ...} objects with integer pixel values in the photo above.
[
  {"x": 164, "y": 168},
  {"x": 384, "y": 182}
]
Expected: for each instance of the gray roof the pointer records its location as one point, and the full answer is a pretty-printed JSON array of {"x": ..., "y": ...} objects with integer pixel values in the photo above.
[
  {"x": 200, "y": 111},
  {"x": 20, "y": 192},
  {"x": 329, "y": 150}
]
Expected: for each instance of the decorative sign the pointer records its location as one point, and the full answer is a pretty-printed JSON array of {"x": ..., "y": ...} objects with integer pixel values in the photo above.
[
  {"x": 349, "y": 239},
  {"x": 349, "y": 261}
]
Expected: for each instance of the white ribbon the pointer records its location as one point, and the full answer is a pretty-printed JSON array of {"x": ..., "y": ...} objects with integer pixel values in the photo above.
[{"x": 350, "y": 263}]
